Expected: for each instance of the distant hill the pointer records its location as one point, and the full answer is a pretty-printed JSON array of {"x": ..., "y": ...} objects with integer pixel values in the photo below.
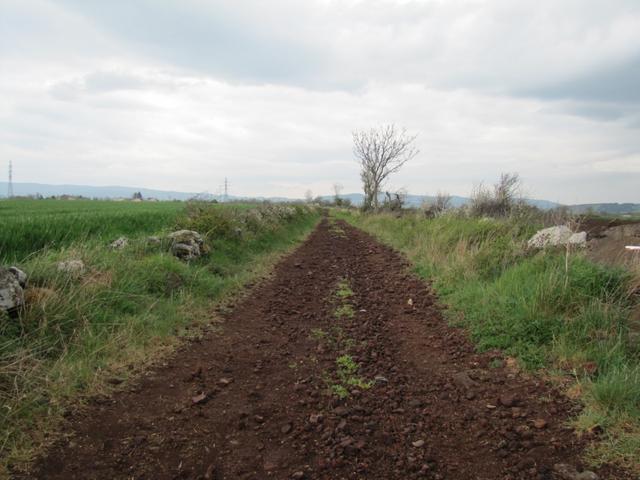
[
  {"x": 26, "y": 189},
  {"x": 611, "y": 208},
  {"x": 456, "y": 201}
]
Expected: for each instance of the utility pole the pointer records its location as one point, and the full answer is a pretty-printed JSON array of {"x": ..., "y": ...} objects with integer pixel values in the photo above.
[
  {"x": 226, "y": 190},
  {"x": 10, "y": 188}
]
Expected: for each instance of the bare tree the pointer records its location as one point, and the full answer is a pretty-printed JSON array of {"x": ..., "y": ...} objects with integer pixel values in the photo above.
[
  {"x": 337, "y": 188},
  {"x": 442, "y": 202},
  {"x": 308, "y": 196},
  {"x": 380, "y": 152}
]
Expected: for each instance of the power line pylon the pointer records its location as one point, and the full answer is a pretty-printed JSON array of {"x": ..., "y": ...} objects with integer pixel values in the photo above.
[{"x": 10, "y": 187}]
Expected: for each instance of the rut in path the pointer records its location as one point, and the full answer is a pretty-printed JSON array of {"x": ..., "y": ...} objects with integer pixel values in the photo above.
[{"x": 251, "y": 402}]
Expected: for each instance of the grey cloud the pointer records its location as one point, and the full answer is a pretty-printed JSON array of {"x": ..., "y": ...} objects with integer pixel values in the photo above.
[
  {"x": 615, "y": 84},
  {"x": 212, "y": 38}
]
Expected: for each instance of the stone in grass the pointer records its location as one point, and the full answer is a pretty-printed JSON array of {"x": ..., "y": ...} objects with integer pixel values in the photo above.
[
  {"x": 154, "y": 240},
  {"x": 20, "y": 275},
  {"x": 187, "y": 244},
  {"x": 119, "y": 243},
  {"x": 556, "y": 236},
  {"x": 11, "y": 293},
  {"x": 74, "y": 267}
]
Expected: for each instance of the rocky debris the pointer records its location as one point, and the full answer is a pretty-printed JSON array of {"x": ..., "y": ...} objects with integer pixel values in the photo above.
[
  {"x": 564, "y": 471},
  {"x": 11, "y": 292},
  {"x": 463, "y": 381},
  {"x": 187, "y": 244},
  {"x": 119, "y": 243},
  {"x": 20, "y": 275},
  {"x": 557, "y": 236},
  {"x": 75, "y": 267}
]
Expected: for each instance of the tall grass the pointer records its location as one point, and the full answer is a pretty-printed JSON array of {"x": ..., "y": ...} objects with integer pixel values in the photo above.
[
  {"x": 552, "y": 308},
  {"x": 128, "y": 307},
  {"x": 27, "y": 226}
]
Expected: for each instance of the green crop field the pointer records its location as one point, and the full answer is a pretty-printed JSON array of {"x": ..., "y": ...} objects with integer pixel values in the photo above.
[{"x": 28, "y": 226}]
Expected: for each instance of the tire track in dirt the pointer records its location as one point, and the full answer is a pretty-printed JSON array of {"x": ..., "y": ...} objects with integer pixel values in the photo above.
[{"x": 252, "y": 402}]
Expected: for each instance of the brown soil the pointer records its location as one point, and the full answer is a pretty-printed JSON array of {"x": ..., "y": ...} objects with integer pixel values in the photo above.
[
  {"x": 595, "y": 226},
  {"x": 252, "y": 402}
]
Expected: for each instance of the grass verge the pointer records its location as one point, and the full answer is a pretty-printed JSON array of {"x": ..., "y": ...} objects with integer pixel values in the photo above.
[
  {"x": 82, "y": 333},
  {"x": 551, "y": 309}
]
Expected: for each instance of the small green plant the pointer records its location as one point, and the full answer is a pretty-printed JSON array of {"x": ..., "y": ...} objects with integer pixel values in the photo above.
[
  {"x": 344, "y": 291},
  {"x": 340, "y": 391},
  {"x": 343, "y": 294},
  {"x": 495, "y": 363},
  {"x": 344, "y": 311},
  {"x": 347, "y": 370},
  {"x": 318, "y": 334}
]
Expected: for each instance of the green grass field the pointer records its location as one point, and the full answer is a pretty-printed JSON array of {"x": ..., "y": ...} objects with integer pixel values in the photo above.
[
  {"x": 128, "y": 307},
  {"x": 552, "y": 309},
  {"x": 28, "y": 226}
]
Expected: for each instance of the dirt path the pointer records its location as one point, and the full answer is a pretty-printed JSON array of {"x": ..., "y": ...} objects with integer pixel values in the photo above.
[{"x": 252, "y": 402}]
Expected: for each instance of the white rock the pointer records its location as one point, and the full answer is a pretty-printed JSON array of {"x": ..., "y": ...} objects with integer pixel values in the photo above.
[
  {"x": 71, "y": 266},
  {"x": 578, "y": 238},
  {"x": 119, "y": 243},
  {"x": 186, "y": 244},
  {"x": 20, "y": 275},
  {"x": 554, "y": 236},
  {"x": 11, "y": 293}
]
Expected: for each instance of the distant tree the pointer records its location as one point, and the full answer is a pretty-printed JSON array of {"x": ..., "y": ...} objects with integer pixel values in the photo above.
[
  {"x": 500, "y": 201},
  {"x": 380, "y": 152},
  {"x": 137, "y": 196},
  {"x": 308, "y": 196},
  {"x": 442, "y": 202},
  {"x": 337, "y": 188}
]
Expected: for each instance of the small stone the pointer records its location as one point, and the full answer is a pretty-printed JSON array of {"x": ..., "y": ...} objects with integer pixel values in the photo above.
[
  {"x": 286, "y": 428},
  {"x": 508, "y": 400},
  {"x": 119, "y": 243},
  {"x": 316, "y": 418},
  {"x": 418, "y": 443},
  {"x": 71, "y": 266},
  {"x": 223, "y": 382},
  {"x": 539, "y": 423},
  {"x": 200, "y": 398},
  {"x": 564, "y": 471},
  {"x": 153, "y": 240},
  {"x": 297, "y": 475}
]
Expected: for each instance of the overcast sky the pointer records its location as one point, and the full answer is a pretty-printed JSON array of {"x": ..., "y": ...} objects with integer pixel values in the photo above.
[{"x": 179, "y": 94}]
